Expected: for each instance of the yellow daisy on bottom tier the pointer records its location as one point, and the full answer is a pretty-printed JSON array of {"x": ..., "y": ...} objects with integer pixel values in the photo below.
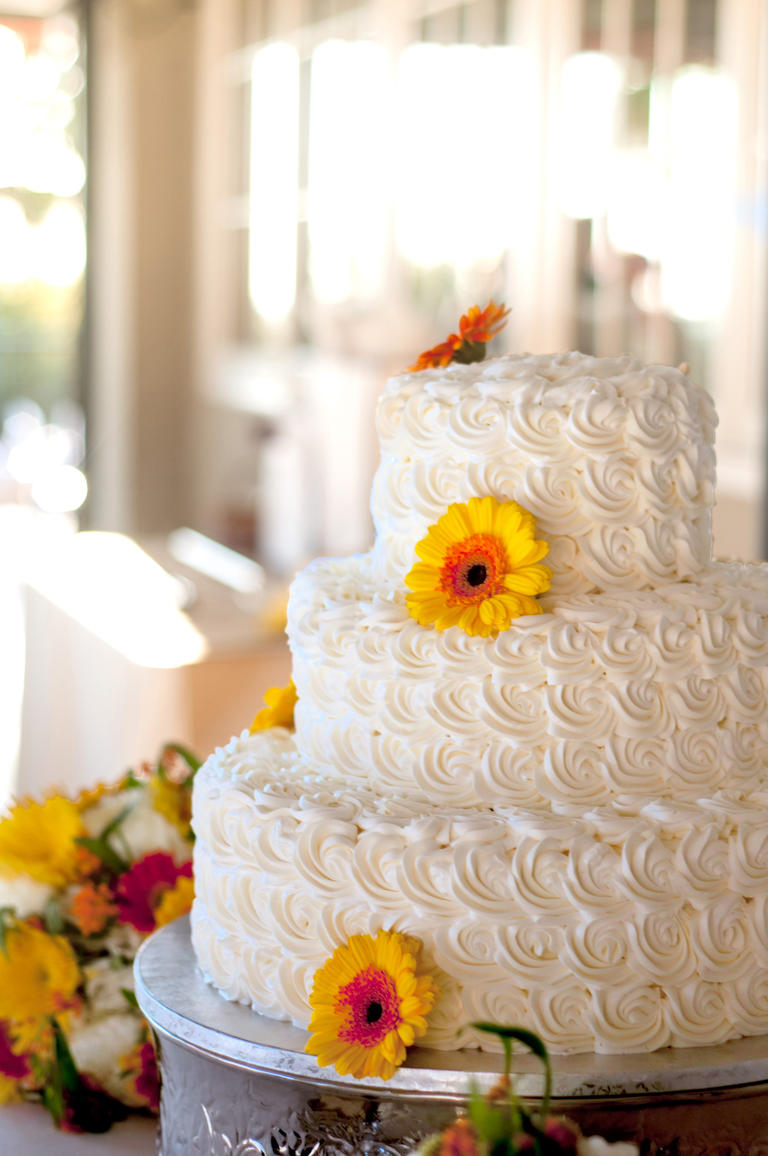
[
  {"x": 369, "y": 1004},
  {"x": 480, "y": 568}
]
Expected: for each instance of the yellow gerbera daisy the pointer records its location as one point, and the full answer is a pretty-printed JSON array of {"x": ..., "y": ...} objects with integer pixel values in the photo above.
[
  {"x": 173, "y": 801},
  {"x": 175, "y": 901},
  {"x": 38, "y": 839},
  {"x": 369, "y": 1004},
  {"x": 480, "y": 568},
  {"x": 278, "y": 712},
  {"x": 39, "y": 975}
]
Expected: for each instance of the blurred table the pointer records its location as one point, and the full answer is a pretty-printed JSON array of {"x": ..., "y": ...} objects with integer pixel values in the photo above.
[
  {"x": 26, "y": 1130},
  {"x": 128, "y": 648}
]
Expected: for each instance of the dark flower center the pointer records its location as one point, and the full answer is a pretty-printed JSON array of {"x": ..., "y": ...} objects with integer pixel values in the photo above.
[
  {"x": 477, "y": 574},
  {"x": 373, "y": 1012}
]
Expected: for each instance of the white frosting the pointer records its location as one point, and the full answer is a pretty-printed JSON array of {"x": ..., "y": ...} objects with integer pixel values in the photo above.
[
  {"x": 606, "y": 696},
  {"x": 623, "y": 929},
  {"x": 615, "y": 459},
  {"x": 572, "y": 816}
]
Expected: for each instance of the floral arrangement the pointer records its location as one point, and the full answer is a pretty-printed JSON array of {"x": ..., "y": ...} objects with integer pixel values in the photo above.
[
  {"x": 500, "y": 1124},
  {"x": 82, "y": 882},
  {"x": 476, "y": 328},
  {"x": 480, "y": 568}
]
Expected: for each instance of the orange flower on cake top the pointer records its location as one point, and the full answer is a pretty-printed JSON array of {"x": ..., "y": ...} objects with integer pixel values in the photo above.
[
  {"x": 476, "y": 328},
  {"x": 480, "y": 568}
]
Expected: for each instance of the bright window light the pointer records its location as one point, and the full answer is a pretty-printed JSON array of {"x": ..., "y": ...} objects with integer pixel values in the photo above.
[
  {"x": 698, "y": 248},
  {"x": 348, "y": 169},
  {"x": 458, "y": 201},
  {"x": 637, "y": 208},
  {"x": 15, "y": 243},
  {"x": 12, "y": 58},
  {"x": 273, "y": 181},
  {"x": 591, "y": 82},
  {"x": 60, "y": 491},
  {"x": 60, "y": 245},
  {"x": 49, "y": 165},
  {"x": 111, "y": 587}
]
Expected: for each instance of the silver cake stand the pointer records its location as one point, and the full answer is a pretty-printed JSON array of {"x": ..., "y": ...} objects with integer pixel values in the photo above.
[{"x": 237, "y": 1084}]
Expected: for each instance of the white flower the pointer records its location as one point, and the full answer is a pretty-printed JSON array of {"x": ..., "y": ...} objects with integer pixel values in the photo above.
[
  {"x": 597, "y": 1146},
  {"x": 98, "y": 1045},
  {"x": 26, "y": 896},
  {"x": 104, "y": 987},
  {"x": 142, "y": 831}
]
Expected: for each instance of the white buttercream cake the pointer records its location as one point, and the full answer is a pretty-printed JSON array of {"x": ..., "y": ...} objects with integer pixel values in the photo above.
[{"x": 571, "y": 815}]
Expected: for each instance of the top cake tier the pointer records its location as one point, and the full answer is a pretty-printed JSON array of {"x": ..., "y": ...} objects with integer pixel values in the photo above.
[{"x": 614, "y": 458}]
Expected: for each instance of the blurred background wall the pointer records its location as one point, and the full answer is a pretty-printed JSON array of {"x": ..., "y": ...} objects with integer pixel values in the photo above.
[{"x": 223, "y": 223}]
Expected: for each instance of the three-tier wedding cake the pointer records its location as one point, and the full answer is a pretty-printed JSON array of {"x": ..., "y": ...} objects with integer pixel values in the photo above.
[{"x": 568, "y": 808}]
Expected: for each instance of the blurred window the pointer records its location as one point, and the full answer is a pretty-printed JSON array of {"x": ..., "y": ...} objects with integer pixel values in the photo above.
[
  {"x": 600, "y": 165},
  {"x": 42, "y": 259}
]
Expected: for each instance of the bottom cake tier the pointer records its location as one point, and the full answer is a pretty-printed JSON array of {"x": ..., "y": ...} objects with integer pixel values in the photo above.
[
  {"x": 618, "y": 929},
  {"x": 237, "y": 1084}
]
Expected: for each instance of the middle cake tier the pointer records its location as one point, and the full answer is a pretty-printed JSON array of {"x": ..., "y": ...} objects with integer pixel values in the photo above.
[{"x": 622, "y": 695}]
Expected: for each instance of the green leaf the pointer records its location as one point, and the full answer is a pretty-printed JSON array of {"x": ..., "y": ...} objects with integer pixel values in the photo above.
[
  {"x": 493, "y": 1122},
  {"x": 69, "y": 1075},
  {"x": 431, "y": 1145},
  {"x": 531, "y": 1041},
  {"x": 184, "y": 753},
  {"x": 101, "y": 844},
  {"x": 60, "y": 1078},
  {"x": 52, "y": 917},
  {"x": 7, "y": 920},
  {"x": 130, "y": 997},
  {"x": 102, "y": 850},
  {"x": 118, "y": 821}
]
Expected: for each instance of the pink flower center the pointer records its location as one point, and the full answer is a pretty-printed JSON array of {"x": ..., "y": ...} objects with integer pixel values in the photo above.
[{"x": 371, "y": 1005}]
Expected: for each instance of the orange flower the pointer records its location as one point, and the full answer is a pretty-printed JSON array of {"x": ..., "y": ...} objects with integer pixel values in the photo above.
[
  {"x": 460, "y": 1140},
  {"x": 476, "y": 327},
  {"x": 439, "y": 355},
  {"x": 86, "y": 862},
  {"x": 483, "y": 324},
  {"x": 92, "y": 907}
]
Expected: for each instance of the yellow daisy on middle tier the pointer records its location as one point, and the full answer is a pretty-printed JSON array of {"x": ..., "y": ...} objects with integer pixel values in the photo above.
[{"x": 480, "y": 568}]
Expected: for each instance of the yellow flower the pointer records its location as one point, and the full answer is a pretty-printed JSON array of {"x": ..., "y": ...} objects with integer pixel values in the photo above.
[
  {"x": 278, "y": 712},
  {"x": 89, "y": 796},
  {"x": 38, "y": 839},
  {"x": 369, "y": 1004},
  {"x": 39, "y": 975},
  {"x": 175, "y": 901},
  {"x": 173, "y": 801},
  {"x": 10, "y": 1090},
  {"x": 479, "y": 569}
]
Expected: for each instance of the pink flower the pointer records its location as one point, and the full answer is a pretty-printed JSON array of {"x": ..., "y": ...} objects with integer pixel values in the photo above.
[
  {"x": 139, "y": 890},
  {"x": 13, "y": 1066},
  {"x": 147, "y": 1082}
]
